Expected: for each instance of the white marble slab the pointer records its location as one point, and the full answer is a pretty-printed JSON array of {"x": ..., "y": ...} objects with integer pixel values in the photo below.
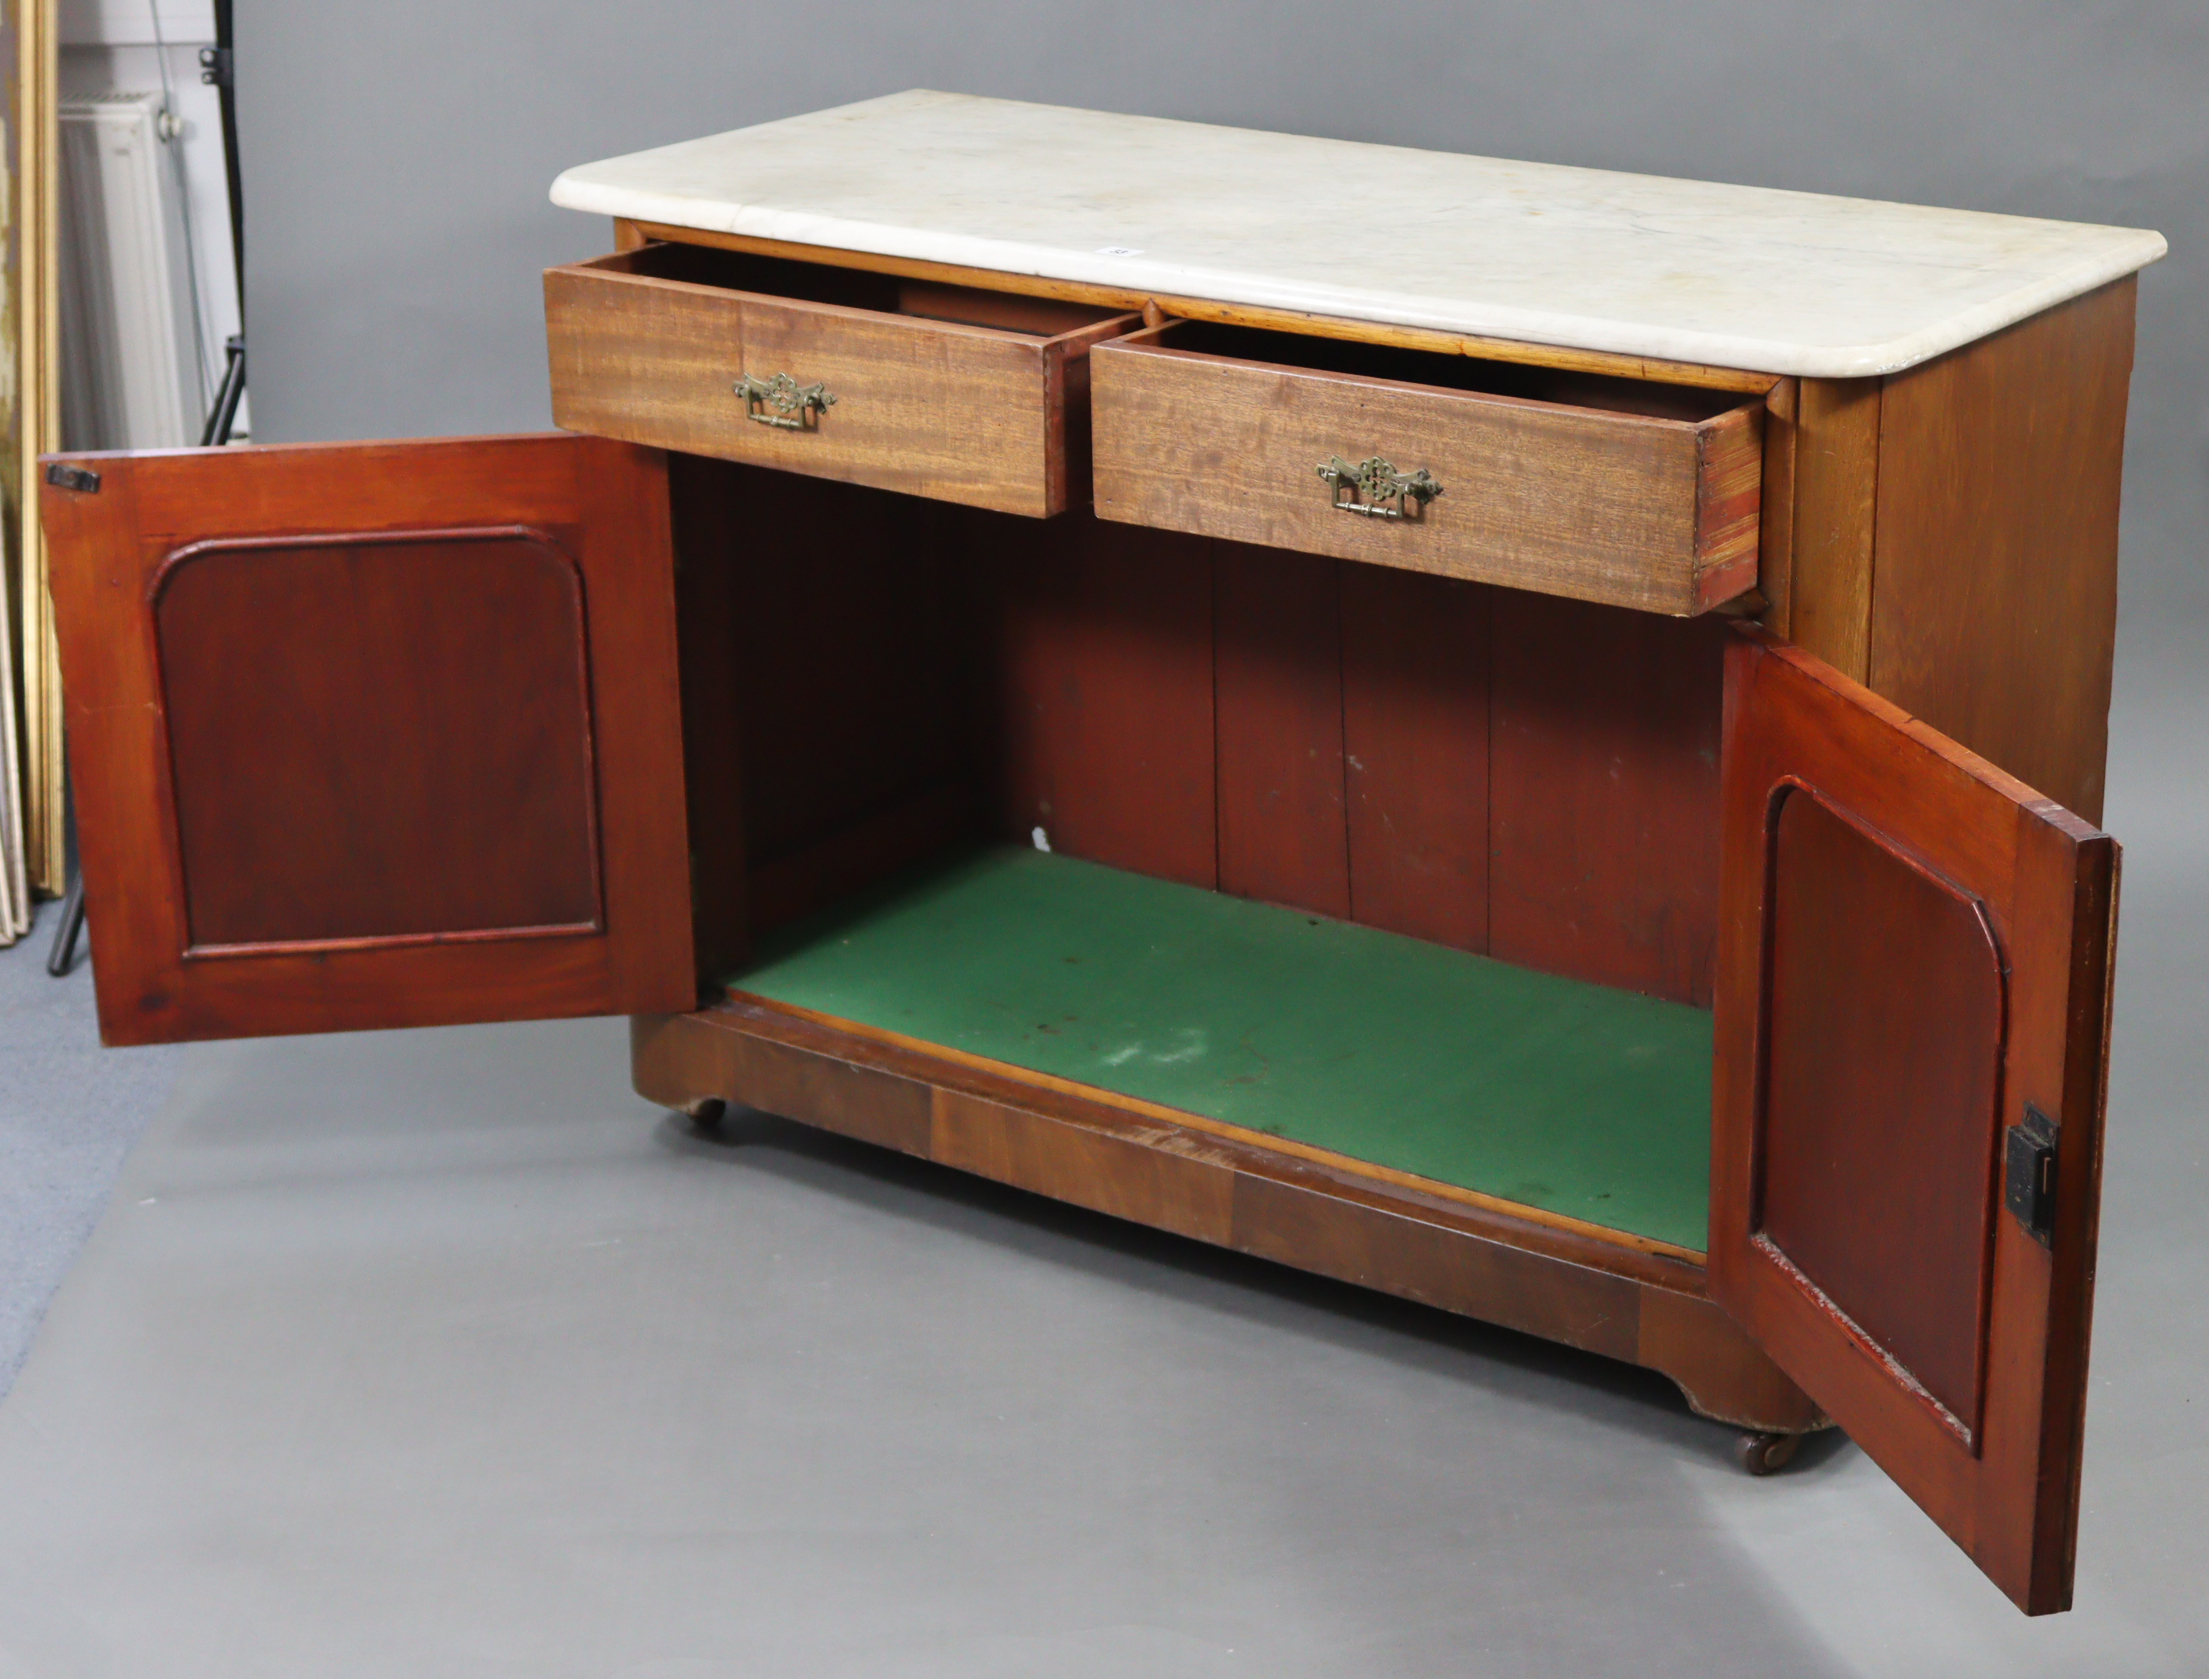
[{"x": 1749, "y": 277}]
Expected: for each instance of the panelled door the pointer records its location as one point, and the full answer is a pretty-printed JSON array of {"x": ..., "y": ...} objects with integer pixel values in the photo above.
[
  {"x": 379, "y": 734},
  {"x": 1914, "y": 972}
]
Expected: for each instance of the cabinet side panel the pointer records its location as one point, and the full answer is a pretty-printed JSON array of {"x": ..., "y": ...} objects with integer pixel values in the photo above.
[
  {"x": 1995, "y": 608},
  {"x": 1836, "y": 483},
  {"x": 1278, "y": 626},
  {"x": 1101, "y": 692},
  {"x": 1776, "y": 520},
  {"x": 704, "y": 501},
  {"x": 1415, "y": 743},
  {"x": 853, "y": 661},
  {"x": 1603, "y": 825}
]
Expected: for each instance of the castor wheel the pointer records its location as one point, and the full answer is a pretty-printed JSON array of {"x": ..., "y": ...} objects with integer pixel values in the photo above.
[
  {"x": 1762, "y": 1454},
  {"x": 705, "y": 1115}
]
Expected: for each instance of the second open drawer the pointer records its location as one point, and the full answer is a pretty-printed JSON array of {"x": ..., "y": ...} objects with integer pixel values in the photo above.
[
  {"x": 1605, "y": 489},
  {"x": 935, "y": 390}
]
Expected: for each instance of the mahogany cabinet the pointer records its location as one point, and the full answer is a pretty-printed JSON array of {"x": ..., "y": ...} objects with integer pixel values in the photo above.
[{"x": 1593, "y": 838}]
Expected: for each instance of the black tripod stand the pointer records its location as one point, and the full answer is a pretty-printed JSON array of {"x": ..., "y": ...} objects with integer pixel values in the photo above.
[{"x": 222, "y": 417}]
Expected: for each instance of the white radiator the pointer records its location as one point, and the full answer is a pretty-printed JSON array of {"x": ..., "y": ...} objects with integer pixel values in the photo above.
[{"x": 130, "y": 361}]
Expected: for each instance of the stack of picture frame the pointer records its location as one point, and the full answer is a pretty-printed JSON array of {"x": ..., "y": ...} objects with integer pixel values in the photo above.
[{"x": 33, "y": 841}]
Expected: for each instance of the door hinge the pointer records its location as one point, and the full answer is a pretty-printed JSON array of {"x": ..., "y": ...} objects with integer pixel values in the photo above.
[
  {"x": 81, "y": 478},
  {"x": 214, "y": 66},
  {"x": 2029, "y": 1177}
]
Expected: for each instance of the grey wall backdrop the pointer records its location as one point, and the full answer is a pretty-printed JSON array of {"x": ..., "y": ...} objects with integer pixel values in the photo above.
[{"x": 397, "y": 156}]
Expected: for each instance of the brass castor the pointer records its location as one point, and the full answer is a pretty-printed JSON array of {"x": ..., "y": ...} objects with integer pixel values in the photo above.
[
  {"x": 1764, "y": 1454},
  {"x": 705, "y": 1115}
]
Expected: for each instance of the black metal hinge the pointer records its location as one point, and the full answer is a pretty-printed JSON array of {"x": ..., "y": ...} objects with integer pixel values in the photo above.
[
  {"x": 214, "y": 66},
  {"x": 2029, "y": 1175},
  {"x": 81, "y": 478}
]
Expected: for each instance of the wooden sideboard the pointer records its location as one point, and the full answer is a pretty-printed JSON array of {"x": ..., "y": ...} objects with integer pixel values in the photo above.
[{"x": 1532, "y": 744}]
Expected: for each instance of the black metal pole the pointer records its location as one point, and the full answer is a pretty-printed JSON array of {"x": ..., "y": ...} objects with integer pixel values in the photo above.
[
  {"x": 63, "y": 956},
  {"x": 224, "y": 414},
  {"x": 226, "y": 88}
]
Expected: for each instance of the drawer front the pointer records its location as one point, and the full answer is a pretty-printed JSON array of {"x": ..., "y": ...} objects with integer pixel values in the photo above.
[
  {"x": 1626, "y": 508},
  {"x": 929, "y": 407}
]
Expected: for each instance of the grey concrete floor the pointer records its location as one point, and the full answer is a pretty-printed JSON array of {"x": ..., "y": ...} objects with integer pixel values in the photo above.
[
  {"x": 69, "y": 1112},
  {"x": 441, "y": 1354}
]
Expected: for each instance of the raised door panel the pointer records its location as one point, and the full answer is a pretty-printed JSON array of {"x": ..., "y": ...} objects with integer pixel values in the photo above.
[
  {"x": 1913, "y": 984},
  {"x": 373, "y": 734}
]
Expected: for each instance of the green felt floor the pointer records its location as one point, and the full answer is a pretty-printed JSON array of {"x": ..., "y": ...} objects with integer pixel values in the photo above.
[{"x": 1553, "y": 1092}]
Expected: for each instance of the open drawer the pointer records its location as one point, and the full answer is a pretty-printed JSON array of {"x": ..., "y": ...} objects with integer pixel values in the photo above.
[
  {"x": 1604, "y": 489},
  {"x": 942, "y": 391}
]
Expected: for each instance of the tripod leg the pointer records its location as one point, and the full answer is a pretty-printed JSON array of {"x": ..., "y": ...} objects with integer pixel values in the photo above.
[{"x": 63, "y": 956}]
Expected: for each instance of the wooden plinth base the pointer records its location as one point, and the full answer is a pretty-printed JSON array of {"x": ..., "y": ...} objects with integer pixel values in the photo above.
[{"x": 1563, "y": 1281}]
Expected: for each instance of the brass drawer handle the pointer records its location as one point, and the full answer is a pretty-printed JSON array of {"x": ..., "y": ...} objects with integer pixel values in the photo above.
[
  {"x": 782, "y": 401},
  {"x": 1379, "y": 483}
]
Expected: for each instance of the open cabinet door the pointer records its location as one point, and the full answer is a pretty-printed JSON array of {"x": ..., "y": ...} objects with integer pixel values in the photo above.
[
  {"x": 379, "y": 734},
  {"x": 1912, "y": 1006}
]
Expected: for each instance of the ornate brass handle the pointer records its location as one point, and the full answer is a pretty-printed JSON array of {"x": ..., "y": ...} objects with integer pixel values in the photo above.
[
  {"x": 1378, "y": 483},
  {"x": 782, "y": 401}
]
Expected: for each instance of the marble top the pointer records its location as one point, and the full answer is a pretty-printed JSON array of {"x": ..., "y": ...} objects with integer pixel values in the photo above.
[{"x": 1746, "y": 277}]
